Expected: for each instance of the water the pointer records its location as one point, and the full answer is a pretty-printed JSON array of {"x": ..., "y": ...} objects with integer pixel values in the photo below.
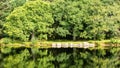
[{"x": 23, "y": 57}]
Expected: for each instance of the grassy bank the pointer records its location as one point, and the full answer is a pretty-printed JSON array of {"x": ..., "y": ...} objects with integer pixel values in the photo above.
[{"x": 48, "y": 44}]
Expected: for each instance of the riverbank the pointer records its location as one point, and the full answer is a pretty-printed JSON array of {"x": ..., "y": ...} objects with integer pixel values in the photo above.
[
  {"x": 64, "y": 44},
  {"x": 60, "y": 54}
]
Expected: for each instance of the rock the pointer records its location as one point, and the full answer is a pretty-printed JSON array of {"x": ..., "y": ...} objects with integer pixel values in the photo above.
[
  {"x": 80, "y": 45},
  {"x": 86, "y": 44},
  {"x": 75, "y": 45},
  {"x": 58, "y": 45},
  {"x": 91, "y": 45},
  {"x": 66, "y": 45},
  {"x": 53, "y": 45},
  {"x": 71, "y": 45}
]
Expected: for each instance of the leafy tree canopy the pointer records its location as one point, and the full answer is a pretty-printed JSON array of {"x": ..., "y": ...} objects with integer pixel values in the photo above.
[{"x": 33, "y": 17}]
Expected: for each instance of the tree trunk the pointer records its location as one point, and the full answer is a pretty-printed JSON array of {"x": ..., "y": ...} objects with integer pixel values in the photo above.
[
  {"x": 74, "y": 36},
  {"x": 32, "y": 36}
]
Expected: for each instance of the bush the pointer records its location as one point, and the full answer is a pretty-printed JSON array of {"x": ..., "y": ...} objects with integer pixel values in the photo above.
[{"x": 6, "y": 41}]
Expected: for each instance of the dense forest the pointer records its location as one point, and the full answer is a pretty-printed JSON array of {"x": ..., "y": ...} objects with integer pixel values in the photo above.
[
  {"x": 24, "y": 20},
  {"x": 45, "y": 33}
]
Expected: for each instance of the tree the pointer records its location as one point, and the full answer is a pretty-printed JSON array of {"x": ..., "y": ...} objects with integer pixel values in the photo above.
[
  {"x": 6, "y": 7},
  {"x": 101, "y": 21},
  {"x": 86, "y": 19},
  {"x": 34, "y": 17},
  {"x": 67, "y": 18}
]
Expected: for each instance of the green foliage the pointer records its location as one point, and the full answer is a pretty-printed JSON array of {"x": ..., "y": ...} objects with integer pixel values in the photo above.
[
  {"x": 63, "y": 60},
  {"x": 6, "y": 7},
  {"x": 56, "y": 19},
  {"x": 115, "y": 41},
  {"x": 6, "y": 41},
  {"x": 17, "y": 60},
  {"x": 17, "y": 3},
  {"x": 6, "y": 50},
  {"x": 32, "y": 17},
  {"x": 24, "y": 59},
  {"x": 67, "y": 18},
  {"x": 86, "y": 19},
  {"x": 50, "y": 58}
]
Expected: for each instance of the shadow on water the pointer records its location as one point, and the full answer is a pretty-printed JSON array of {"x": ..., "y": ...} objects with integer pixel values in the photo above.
[{"x": 59, "y": 57}]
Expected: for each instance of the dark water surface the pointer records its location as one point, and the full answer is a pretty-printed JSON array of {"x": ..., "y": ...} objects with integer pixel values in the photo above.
[{"x": 23, "y": 57}]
